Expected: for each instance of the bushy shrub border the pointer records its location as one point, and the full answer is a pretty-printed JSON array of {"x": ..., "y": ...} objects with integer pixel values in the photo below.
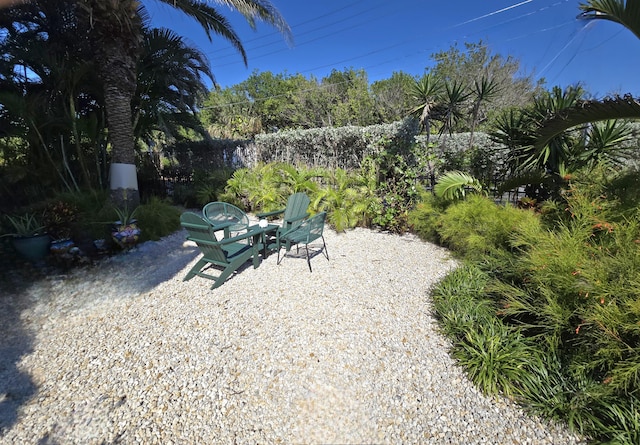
[{"x": 547, "y": 310}]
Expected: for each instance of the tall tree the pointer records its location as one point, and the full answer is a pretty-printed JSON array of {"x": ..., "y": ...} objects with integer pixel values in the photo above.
[
  {"x": 393, "y": 96},
  {"x": 512, "y": 87},
  {"x": 170, "y": 85},
  {"x": 116, "y": 33},
  {"x": 484, "y": 91}
]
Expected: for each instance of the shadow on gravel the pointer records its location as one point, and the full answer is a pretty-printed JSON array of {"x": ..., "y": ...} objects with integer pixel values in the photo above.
[
  {"x": 134, "y": 272},
  {"x": 16, "y": 387}
]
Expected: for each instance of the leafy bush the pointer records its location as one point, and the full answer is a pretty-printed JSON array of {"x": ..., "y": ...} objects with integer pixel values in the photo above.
[
  {"x": 477, "y": 226},
  {"x": 157, "y": 218},
  {"x": 330, "y": 147},
  {"x": 424, "y": 219},
  {"x": 494, "y": 356},
  {"x": 561, "y": 317},
  {"x": 459, "y": 304}
]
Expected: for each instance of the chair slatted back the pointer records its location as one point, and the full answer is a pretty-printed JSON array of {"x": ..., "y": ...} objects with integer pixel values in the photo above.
[
  {"x": 220, "y": 212},
  {"x": 316, "y": 225},
  {"x": 202, "y": 233},
  {"x": 297, "y": 205}
]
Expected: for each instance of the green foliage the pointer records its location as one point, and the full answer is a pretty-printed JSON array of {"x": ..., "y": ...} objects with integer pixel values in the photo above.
[
  {"x": 459, "y": 304},
  {"x": 209, "y": 185},
  {"x": 477, "y": 226},
  {"x": 550, "y": 312},
  {"x": 452, "y": 185},
  {"x": 344, "y": 147},
  {"x": 24, "y": 225},
  {"x": 396, "y": 185},
  {"x": 157, "y": 218},
  {"x": 346, "y": 199},
  {"x": 494, "y": 356},
  {"x": 424, "y": 218}
]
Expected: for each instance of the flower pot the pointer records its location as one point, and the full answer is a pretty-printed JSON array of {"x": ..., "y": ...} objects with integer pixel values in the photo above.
[
  {"x": 61, "y": 246},
  {"x": 125, "y": 235},
  {"x": 32, "y": 248}
]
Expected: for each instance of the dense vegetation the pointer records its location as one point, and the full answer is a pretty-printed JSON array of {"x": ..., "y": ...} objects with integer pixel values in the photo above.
[{"x": 545, "y": 308}]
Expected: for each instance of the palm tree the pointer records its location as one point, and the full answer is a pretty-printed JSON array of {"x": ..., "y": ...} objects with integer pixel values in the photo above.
[
  {"x": 426, "y": 92},
  {"x": 452, "y": 106},
  {"x": 626, "y": 13},
  {"x": 116, "y": 34},
  {"x": 484, "y": 90},
  {"x": 170, "y": 86}
]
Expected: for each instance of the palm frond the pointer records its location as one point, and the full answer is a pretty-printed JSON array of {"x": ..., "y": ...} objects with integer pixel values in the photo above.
[
  {"x": 452, "y": 185},
  {"x": 617, "y": 107}
]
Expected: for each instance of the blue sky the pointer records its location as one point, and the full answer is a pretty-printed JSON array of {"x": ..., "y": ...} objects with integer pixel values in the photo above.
[{"x": 382, "y": 36}]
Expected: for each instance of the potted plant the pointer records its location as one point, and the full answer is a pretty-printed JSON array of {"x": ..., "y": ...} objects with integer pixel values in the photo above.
[
  {"x": 125, "y": 231},
  {"x": 60, "y": 218},
  {"x": 29, "y": 236}
]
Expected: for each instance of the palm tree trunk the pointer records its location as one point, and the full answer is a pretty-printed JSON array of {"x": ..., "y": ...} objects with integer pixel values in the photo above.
[{"x": 118, "y": 72}]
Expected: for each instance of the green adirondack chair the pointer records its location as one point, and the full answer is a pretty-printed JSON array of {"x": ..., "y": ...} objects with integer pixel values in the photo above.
[
  {"x": 226, "y": 255},
  {"x": 218, "y": 213},
  {"x": 293, "y": 215},
  {"x": 306, "y": 233}
]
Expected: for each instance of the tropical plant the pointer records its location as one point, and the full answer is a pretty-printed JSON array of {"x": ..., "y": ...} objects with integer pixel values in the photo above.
[
  {"x": 453, "y": 185},
  {"x": 484, "y": 91},
  {"x": 625, "y": 13},
  {"x": 170, "y": 85},
  {"x": 116, "y": 29},
  {"x": 344, "y": 198},
  {"x": 452, "y": 109},
  {"x": 25, "y": 225},
  {"x": 426, "y": 95}
]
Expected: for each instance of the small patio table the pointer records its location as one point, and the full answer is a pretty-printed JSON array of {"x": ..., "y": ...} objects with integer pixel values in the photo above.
[{"x": 263, "y": 235}]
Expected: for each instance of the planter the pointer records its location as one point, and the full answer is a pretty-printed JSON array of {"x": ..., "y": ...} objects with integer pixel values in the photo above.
[
  {"x": 125, "y": 235},
  {"x": 61, "y": 246},
  {"x": 32, "y": 248}
]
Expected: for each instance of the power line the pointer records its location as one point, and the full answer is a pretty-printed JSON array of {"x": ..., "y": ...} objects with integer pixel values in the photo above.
[
  {"x": 502, "y": 23},
  {"x": 564, "y": 48},
  {"x": 233, "y": 52},
  {"x": 492, "y": 13},
  {"x": 315, "y": 39}
]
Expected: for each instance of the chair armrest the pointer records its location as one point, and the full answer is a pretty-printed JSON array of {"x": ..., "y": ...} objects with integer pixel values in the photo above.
[
  {"x": 220, "y": 226},
  {"x": 266, "y": 214},
  {"x": 250, "y": 233}
]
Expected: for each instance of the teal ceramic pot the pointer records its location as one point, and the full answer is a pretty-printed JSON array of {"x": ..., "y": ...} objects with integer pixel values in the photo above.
[{"x": 32, "y": 248}]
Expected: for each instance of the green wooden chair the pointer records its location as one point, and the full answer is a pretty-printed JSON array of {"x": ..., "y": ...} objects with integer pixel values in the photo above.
[
  {"x": 227, "y": 254},
  {"x": 306, "y": 233},
  {"x": 218, "y": 213},
  {"x": 293, "y": 215}
]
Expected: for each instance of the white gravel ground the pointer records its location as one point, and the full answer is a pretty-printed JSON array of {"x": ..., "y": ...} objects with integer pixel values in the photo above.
[{"x": 127, "y": 352}]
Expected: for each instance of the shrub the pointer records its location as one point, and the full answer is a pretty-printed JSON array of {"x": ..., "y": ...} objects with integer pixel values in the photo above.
[
  {"x": 477, "y": 226},
  {"x": 157, "y": 218},
  {"x": 459, "y": 302},
  {"x": 424, "y": 218}
]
